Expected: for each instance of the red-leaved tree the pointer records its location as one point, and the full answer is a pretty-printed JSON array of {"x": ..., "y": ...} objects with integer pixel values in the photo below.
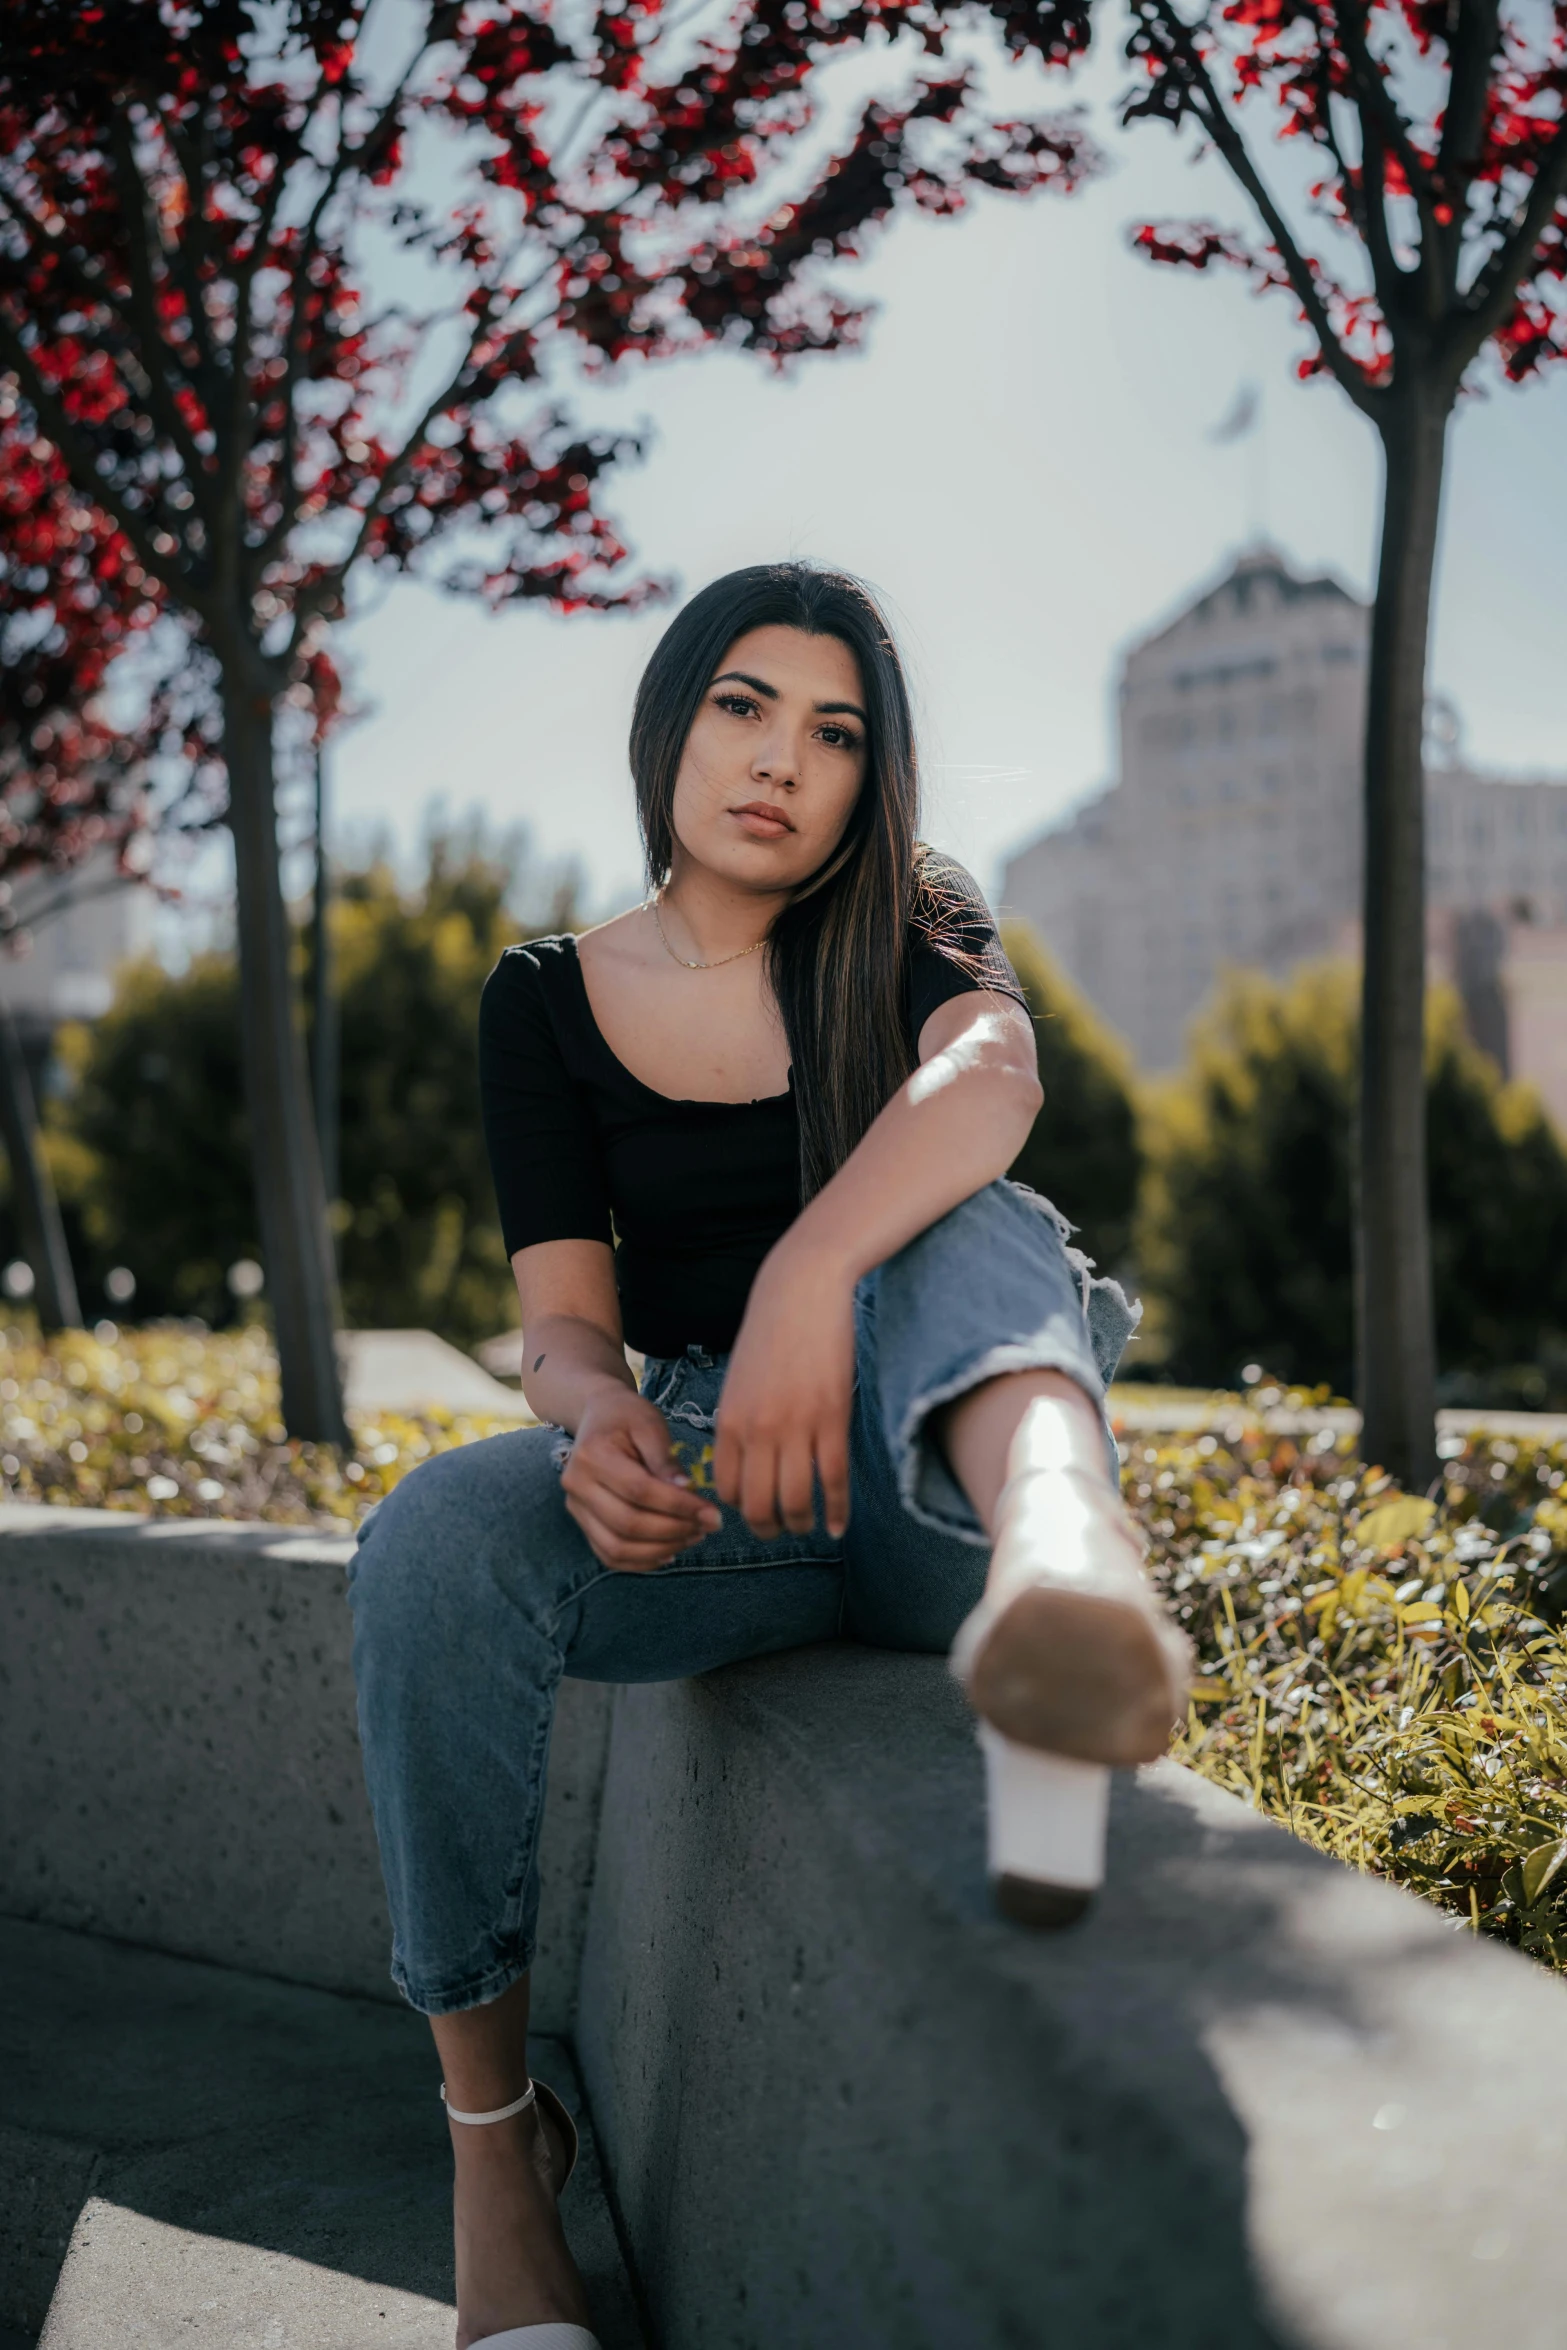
[
  {"x": 79, "y": 795},
  {"x": 282, "y": 300},
  {"x": 1435, "y": 138}
]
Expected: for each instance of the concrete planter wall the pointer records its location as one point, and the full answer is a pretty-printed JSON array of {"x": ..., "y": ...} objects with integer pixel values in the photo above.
[
  {"x": 179, "y": 1764},
  {"x": 1255, "y": 2100}
]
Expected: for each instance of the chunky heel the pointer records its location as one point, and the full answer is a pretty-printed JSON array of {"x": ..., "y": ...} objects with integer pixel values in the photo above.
[{"x": 1046, "y": 1824}]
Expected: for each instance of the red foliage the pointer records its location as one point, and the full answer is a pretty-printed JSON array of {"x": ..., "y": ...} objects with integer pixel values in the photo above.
[
  {"x": 72, "y": 597},
  {"x": 1440, "y": 130},
  {"x": 212, "y": 212}
]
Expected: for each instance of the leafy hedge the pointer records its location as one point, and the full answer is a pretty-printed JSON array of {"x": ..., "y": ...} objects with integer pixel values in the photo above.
[
  {"x": 1244, "y": 1229},
  {"x": 1385, "y": 1674},
  {"x": 1083, "y": 1152}
]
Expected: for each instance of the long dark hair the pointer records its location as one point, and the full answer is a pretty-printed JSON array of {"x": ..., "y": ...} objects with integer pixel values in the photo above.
[{"x": 838, "y": 953}]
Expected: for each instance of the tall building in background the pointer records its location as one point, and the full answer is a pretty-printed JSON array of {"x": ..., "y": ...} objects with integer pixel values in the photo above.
[{"x": 1233, "y": 834}]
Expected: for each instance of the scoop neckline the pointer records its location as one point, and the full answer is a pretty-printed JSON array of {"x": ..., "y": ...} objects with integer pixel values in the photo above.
[{"x": 673, "y": 1101}]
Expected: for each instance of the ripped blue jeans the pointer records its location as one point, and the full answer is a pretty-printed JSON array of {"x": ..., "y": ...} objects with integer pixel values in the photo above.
[{"x": 473, "y": 1592}]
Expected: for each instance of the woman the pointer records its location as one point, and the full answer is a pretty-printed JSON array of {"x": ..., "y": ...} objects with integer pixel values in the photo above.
[{"x": 757, "y": 1131}]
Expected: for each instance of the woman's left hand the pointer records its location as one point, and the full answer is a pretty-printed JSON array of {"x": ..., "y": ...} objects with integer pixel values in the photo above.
[{"x": 783, "y": 1419}]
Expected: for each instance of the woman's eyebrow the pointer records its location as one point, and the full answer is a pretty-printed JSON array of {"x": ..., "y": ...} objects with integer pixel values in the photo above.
[{"x": 823, "y": 709}]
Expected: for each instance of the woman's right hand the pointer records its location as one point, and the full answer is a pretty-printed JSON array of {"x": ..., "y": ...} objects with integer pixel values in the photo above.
[{"x": 622, "y": 1486}]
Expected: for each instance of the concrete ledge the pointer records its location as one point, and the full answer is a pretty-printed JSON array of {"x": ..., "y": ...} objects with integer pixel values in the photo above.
[
  {"x": 1256, "y": 2100},
  {"x": 179, "y": 1764}
]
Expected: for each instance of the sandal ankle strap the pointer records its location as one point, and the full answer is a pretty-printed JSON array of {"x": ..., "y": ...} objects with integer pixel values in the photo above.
[{"x": 501, "y": 2113}]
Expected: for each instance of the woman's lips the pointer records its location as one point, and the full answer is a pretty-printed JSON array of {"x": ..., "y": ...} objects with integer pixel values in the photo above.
[{"x": 761, "y": 821}]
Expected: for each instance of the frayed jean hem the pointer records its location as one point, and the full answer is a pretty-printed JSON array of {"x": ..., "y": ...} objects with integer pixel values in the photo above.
[
  {"x": 475, "y": 1991},
  {"x": 926, "y": 1486}
]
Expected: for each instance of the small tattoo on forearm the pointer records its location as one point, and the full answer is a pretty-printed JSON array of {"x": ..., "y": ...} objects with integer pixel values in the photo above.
[{"x": 537, "y": 1360}]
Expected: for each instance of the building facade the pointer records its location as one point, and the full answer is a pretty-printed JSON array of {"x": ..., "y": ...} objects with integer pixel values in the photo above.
[
  {"x": 74, "y": 931},
  {"x": 1233, "y": 833}
]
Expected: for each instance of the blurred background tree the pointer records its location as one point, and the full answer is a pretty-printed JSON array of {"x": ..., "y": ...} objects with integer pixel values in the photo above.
[
  {"x": 1244, "y": 1233},
  {"x": 151, "y": 1145},
  {"x": 1084, "y": 1151}
]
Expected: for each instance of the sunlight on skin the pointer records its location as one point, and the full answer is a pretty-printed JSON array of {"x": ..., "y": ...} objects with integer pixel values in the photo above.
[{"x": 966, "y": 1053}]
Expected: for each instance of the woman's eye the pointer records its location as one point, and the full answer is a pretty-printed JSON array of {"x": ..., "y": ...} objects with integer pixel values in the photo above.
[
  {"x": 739, "y": 705},
  {"x": 839, "y": 738}
]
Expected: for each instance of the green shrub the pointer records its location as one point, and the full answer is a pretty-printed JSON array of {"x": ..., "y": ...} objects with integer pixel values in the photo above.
[
  {"x": 1083, "y": 1152},
  {"x": 1384, "y": 1673},
  {"x": 151, "y": 1143},
  {"x": 1244, "y": 1235}
]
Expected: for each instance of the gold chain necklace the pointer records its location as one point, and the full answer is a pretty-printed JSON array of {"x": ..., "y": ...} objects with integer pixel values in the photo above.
[{"x": 652, "y": 907}]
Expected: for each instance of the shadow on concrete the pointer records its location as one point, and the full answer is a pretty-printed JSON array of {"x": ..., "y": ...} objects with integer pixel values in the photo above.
[
  {"x": 1175, "y": 2124},
  {"x": 245, "y": 2112}
]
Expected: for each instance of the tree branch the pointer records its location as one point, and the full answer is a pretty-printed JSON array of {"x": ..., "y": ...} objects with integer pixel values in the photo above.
[
  {"x": 85, "y": 276},
  {"x": 1374, "y": 93},
  {"x": 188, "y": 155},
  {"x": 68, "y": 898},
  {"x": 1470, "y": 52},
  {"x": 1386, "y": 274},
  {"x": 78, "y": 456},
  {"x": 1383, "y": 129},
  {"x": 1496, "y": 287},
  {"x": 315, "y": 599},
  {"x": 144, "y": 305},
  {"x": 1215, "y": 119},
  {"x": 442, "y": 21}
]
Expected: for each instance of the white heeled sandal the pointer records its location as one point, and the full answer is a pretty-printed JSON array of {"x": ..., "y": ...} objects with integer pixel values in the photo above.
[
  {"x": 556, "y": 2333},
  {"x": 1073, "y": 1668}
]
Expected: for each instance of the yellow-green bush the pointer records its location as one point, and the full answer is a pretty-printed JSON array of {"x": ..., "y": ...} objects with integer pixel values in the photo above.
[
  {"x": 185, "y": 1424},
  {"x": 1386, "y": 1675}
]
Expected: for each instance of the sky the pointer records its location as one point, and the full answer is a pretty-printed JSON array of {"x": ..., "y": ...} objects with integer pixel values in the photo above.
[{"x": 1020, "y": 461}]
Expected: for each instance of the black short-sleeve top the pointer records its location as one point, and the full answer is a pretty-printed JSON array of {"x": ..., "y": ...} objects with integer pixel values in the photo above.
[{"x": 695, "y": 1193}]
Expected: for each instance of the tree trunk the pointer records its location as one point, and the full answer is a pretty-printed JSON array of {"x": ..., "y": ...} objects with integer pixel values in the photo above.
[
  {"x": 290, "y": 1196},
  {"x": 324, "y": 1018},
  {"x": 1395, "y": 1333},
  {"x": 37, "y": 1209}
]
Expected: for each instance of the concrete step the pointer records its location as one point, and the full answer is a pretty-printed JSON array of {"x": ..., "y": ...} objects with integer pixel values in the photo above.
[
  {"x": 414, "y": 1371},
  {"x": 198, "y": 2156}
]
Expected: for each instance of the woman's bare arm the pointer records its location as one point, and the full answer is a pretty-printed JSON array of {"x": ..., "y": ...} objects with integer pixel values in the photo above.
[
  {"x": 572, "y": 1338},
  {"x": 955, "y": 1125},
  {"x": 621, "y": 1483}
]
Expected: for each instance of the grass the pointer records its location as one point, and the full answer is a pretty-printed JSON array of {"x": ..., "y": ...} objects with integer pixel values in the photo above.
[{"x": 1385, "y": 1674}]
